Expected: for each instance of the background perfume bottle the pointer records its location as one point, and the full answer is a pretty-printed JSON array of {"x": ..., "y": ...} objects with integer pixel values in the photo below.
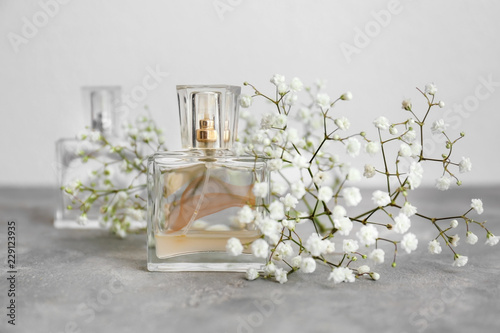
[
  {"x": 194, "y": 195},
  {"x": 78, "y": 160}
]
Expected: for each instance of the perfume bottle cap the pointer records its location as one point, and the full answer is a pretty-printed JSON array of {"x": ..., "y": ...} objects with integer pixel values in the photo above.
[
  {"x": 208, "y": 115},
  {"x": 105, "y": 115}
]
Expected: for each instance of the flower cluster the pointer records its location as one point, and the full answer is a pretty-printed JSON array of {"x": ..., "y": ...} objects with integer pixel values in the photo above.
[
  {"x": 307, "y": 220},
  {"x": 115, "y": 186}
]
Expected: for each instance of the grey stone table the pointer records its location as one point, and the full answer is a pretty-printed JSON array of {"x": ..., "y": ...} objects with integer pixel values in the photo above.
[{"x": 88, "y": 281}]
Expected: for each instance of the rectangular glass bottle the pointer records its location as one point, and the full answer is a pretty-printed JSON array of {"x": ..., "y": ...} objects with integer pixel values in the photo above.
[
  {"x": 194, "y": 195},
  {"x": 86, "y": 162}
]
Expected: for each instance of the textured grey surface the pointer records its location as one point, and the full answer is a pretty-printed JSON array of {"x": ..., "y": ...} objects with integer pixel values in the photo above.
[{"x": 88, "y": 281}]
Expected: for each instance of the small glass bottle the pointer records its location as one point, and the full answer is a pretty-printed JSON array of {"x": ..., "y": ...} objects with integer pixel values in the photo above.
[
  {"x": 78, "y": 160},
  {"x": 194, "y": 195}
]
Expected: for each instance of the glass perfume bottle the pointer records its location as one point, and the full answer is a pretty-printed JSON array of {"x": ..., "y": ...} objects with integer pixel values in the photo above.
[
  {"x": 78, "y": 161},
  {"x": 194, "y": 195}
]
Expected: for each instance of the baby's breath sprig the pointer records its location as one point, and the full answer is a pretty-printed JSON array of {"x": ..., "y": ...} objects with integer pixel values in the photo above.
[
  {"x": 115, "y": 188},
  {"x": 312, "y": 187}
]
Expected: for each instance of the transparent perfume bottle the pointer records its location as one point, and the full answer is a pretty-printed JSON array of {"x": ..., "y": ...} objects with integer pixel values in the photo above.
[
  {"x": 194, "y": 195},
  {"x": 78, "y": 160}
]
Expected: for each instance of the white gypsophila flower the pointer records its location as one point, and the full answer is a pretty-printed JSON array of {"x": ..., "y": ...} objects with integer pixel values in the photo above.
[
  {"x": 343, "y": 225},
  {"x": 298, "y": 189},
  {"x": 372, "y": 148},
  {"x": 252, "y": 274},
  {"x": 330, "y": 246},
  {"x": 441, "y": 104},
  {"x": 350, "y": 245},
  {"x": 409, "y": 242},
  {"x": 382, "y": 123},
  {"x": 323, "y": 100},
  {"x": 352, "y": 196},
  {"x": 280, "y": 120},
  {"x": 375, "y": 276},
  {"x": 300, "y": 162},
  {"x": 367, "y": 234},
  {"x": 320, "y": 177},
  {"x": 393, "y": 130},
  {"x": 280, "y": 275},
  {"x": 283, "y": 250},
  {"x": 268, "y": 226},
  {"x": 460, "y": 261},
  {"x": 277, "y": 79},
  {"x": 282, "y": 88},
  {"x": 276, "y": 210},
  {"x": 296, "y": 84},
  {"x": 354, "y": 175},
  {"x": 370, "y": 171},
  {"x": 471, "y": 238},
  {"x": 406, "y": 104},
  {"x": 439, "y": 126},
  {"x": 364, "y": 269},
  {"x": 325, "y": 194},
  {"x": 245, "y": 101},
  {"x": 338, "y": 212},
  {"x": 347, "y": 96},
  {"x": 434, "y": 247},
  {"x": 135, "y": 214},
  {"x": 343, "y": 123},
  {"x": 454, "y": 240},
  {"x": 408, "y": 209},
  {"x": 491, "y": 239},
  {"x": 296, "y": 261},
  {"x": 260, "y": 248},
  {"x": 465, "y": 165},
  {"x": 290, "y": 224},
  {"x": 304, "y": 114},
  {"x": 415, "y": 174},
  {"x": 238, "y": 149},
  {"x": 352, "y": 146},
  {"x": 337, "y": 275},
  {"x": 315, "y": 245},
  {"x": 234, "y": 246},
  {"x": 292, "y": 135},
  {"x": 405, "y": 150},
  {"x": 430, "y": 88},
  {"x": 377, "y": 255},
  {"x": 443, "y": 183},
  {"x": 279, "y": 188},
  {"x": 289, "y": 201},
  {"x": 381, "y": 198},
  {"x": 477, "y": 205},
  {"x": 260, "y": 190},
  {"x": 291, "y": 99},
  {"x": 146, "y": 136},
  {"x": 82, "y": 219},
  {"x": 94, "y": 136},
  {"x": 269, "y": 269},
  {"x": 275, "y": 164},
  {"x": 244, "y": 114},
  {"x": 342, "y": 274},
  {"x": 401, "y": 223},
  {"x": 267, "y": 121},
  {"x": 454, "y": 223},
  {"x": 409, "y": 136},
  {"x": 416, "y": 149},
  {"x": 308, "y": 265}
]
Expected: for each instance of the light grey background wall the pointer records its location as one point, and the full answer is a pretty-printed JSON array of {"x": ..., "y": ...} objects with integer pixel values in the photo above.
[{"x": 380, "y": 50}]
